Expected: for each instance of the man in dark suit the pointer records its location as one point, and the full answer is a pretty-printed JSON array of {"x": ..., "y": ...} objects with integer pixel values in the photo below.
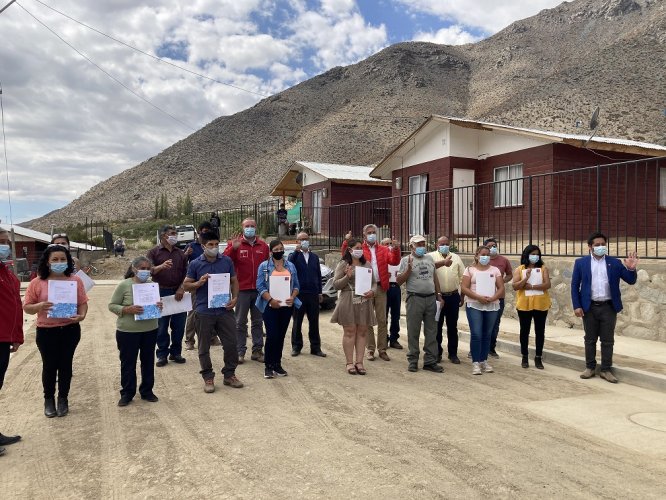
[
  {"x": 595, "y": 294},
  {"x": 310, "y": 294}
]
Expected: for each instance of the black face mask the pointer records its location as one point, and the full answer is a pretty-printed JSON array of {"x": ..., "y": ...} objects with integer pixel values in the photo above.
[{"x": 278, "y": 255}]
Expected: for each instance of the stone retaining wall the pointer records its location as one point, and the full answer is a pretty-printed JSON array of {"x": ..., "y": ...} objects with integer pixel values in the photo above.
[{"x": 644, "y": 314}]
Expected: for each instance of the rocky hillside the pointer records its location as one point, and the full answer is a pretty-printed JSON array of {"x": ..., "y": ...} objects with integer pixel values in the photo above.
[{"x": 543, "y": 72}]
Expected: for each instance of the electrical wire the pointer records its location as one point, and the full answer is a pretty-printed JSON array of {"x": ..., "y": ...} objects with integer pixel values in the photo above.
[
  {"x": 190, "y": 127},
  {"x": 4, "y": 148}
]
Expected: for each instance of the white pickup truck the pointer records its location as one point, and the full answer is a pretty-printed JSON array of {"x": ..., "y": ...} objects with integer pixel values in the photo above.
[{"x": 186, "y": 235}]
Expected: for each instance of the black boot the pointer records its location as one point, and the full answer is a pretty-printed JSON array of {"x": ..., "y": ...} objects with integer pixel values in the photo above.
[
  {"x": 525, "y": 363},
  {"x": 538, "y": 363},
  {"x": 63, "y": 407},
  {"x": 49, "y": 407}
]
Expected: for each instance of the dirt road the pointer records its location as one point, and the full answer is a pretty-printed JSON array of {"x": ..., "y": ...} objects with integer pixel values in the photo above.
[{"x": 320, "y": 433}]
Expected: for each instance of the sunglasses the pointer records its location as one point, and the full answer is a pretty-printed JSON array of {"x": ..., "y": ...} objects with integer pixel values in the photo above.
[
  {"x": 57, "y": 245},
  {"x": 60, "y": 235}
]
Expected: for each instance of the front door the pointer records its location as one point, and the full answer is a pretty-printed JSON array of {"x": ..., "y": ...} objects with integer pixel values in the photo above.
[{"x": 463, "y": 202}]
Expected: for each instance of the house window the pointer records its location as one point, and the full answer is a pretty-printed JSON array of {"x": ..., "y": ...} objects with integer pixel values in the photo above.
[
  {"x": 317, "y": 198},
  {"x": 509, "y": 186},
  {"x": 662, "y": 187},
  {"x": 418, "y": 186}
]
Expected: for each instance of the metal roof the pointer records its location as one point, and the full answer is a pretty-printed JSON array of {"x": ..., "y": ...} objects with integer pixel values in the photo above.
[
  {"x": 334, "y": 171},
  {"x": 44, "y": 237}
]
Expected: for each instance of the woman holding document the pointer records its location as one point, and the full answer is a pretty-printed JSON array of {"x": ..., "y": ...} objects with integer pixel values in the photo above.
[
  {"x": 277, "y": 288},
  {"x": 60, "y": 302},
  {"x": 483, "y": 286},
  {"x": 531, "y": 282},
  {"x": 135, "y": 337},
  {"x": 355, "y": 309}
]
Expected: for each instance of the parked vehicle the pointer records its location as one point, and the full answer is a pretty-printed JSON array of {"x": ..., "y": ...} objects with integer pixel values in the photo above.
[
  {"x": 328, "y": 291},
  {"x": 186, "y": 235}
]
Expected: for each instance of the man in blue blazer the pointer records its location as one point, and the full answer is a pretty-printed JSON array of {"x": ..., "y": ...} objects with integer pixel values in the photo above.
[
  {"x": 595, "y": 294},
  {"x": 309, "y": 278}
]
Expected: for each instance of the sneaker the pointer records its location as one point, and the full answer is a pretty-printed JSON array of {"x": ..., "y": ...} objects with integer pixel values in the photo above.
[
  {"x": 177, "y": 359},
  {"x": 233, "y": 382},
  {"x": 394, "y": 344},
  {"x": 279, "y": 371},
  {"x": 433, "y": 368},
  {"x": 269, "y": 373},
  {"x": 241, "y": 359},
  {"x": 161, "y": 362},
  {"x": 370, "y": 355},
  {"x": 486, "y": 367},
  {"x": 189, "y": 346},
  {"x": 209, "y": 385},
  {"x": 476, "y": 368},
  {"x": 257, "y": 356},
  {"x": 493, "y": 354}
]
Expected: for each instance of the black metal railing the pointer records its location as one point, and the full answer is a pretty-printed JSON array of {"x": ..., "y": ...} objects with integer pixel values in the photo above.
[
  {"x": 264, "y": 213},
  {"x": 557, "y": 211}
]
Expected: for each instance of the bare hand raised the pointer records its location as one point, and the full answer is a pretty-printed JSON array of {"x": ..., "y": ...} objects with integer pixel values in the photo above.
[
  {"x": 631, "y": 261},
  {"x": 348, "y": 235}
]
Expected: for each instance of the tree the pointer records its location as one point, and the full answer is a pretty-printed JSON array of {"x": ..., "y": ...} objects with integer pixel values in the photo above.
[
  {"x": 187, "y": 204},
  {"x": 179, "y": 206},
  {"x": 157, "y": 207}
]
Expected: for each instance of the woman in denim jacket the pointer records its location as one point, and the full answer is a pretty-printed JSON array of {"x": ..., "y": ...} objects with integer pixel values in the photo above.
[{"x": 275, "y": 313}]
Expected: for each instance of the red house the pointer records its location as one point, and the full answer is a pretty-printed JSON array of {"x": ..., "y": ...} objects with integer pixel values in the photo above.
[
  {"x": 470, "y": 179},
  {"x": 321, "y": 186}
]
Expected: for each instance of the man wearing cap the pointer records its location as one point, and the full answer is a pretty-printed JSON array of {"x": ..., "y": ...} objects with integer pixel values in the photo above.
[
  {"x": 417, "y": 270},
  {"x": 11, "y": 319},
  {"x": 450, "y": 269},
  {"x": 380, "y": 257}
]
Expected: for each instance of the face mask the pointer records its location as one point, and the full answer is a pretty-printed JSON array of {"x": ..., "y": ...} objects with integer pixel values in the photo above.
[
  {"x": 444, "y": 249},
  {"x": 278, "y": 255},
  {"x": 5, "y": 250},
  {"x": 305, "y": 244},
  {"x": 599, "y": 251},
  {"x": 484, "y": 260},
  {"x": 420, "y": 251},
  {"x": 211, "y": 252},
  {"x": 172, "y": 240},
  {"x": 534, "y": 259},
  {"x": 371, "y": 238},
  {"x": 59, "y": 267},
  {"x": 249, "y": 232},
  {"x": 143, "y": 275},
  {"x": 357, "y": 254},
  {"x": 493, "y": 251}
]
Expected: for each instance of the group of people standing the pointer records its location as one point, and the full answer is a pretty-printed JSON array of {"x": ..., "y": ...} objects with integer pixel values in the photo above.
[{"x": 437, "y": 285}]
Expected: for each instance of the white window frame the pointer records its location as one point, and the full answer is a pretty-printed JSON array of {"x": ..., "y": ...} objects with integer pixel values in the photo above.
[
  {"x": 508, "y": 188},
  {"x": 317, "y": 199},
  {"x": 418, "y": 186}
]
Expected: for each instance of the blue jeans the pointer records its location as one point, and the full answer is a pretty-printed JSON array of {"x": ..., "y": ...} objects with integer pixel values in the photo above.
[
  {"x": 493, "y": 340},
  {"x": 481, "y": 325},
  {"x": 393, "y": 301},
  {"x": 177, "y": 322}
]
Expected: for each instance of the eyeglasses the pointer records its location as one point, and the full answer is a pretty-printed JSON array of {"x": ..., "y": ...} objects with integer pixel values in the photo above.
[{"x": 61, "y": 235}]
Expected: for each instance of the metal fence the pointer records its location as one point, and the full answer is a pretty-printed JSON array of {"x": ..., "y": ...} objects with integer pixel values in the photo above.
[
  {"x": 557, "y": 211},
  {"x": 264, "y": 213}
]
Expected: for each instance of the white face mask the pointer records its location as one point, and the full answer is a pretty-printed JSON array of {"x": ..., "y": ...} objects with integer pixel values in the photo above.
[
  {"x": 212, "y": 252},
  {"x": 357, "y": 253},
  {"x": 172, "y": 240}
]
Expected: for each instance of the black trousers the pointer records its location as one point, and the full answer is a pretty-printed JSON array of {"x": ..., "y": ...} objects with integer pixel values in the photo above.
[
  {"x": 393, "y": 302},
  {"x": 277, "y": 323},
  {"x": 57, "y": 346},
  {"x": 132, "y": 345},
  {"x": 449, "y": 315},
  {"x": 4, "y": 360},
  {"x": 525, "y": 318},
  {"x": 310, "y": 308},
  {"x": 599, "y": 323}
]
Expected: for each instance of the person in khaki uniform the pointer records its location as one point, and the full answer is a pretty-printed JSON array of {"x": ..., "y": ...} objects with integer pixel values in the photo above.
[
  {"x": 450, "y": 269},
  {"x": 417, "y": 270}
]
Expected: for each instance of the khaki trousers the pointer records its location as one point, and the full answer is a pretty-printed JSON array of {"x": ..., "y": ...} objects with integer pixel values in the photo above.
[{"x": 382, "y": 328}]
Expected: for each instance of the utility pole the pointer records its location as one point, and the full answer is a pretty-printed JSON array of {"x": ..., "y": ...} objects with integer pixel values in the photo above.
[{"x": 6, "y": 6}]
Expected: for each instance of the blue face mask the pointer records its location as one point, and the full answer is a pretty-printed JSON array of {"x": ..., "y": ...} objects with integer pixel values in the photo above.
[
  {"x": 59, "y": 267},
  {"x": 249, "y": 232},
  {"x": 484, "y": 260},
  {"x": 5, "y": 250},
  {"x": 600, "y": 251},
  {"x": 493, "y": 251},
  {"x": 534, "y": 259},
  {"x": 143, "y": 275},
  {"x": 420, "y": 251},
  {"x": 371, "y": 238},
  {"x": 305, "y": 244},
  {"x": 444, "y": 249}
]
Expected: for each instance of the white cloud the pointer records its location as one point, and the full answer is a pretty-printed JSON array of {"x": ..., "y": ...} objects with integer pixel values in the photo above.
[
  {"x": 453, "y": 35},
  {"x": 489, "y": 15}
]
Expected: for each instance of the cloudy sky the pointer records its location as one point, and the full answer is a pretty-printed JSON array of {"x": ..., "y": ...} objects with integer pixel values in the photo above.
[{"x": 72, "y": 122}]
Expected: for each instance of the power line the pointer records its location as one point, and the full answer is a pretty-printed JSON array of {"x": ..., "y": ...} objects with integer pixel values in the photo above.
[
  {"x": 105, "y": 72},
  {"x": 6, "y": 6},
  {"x": 159, "y": 59},
  {"x": 4, "y": 148}
]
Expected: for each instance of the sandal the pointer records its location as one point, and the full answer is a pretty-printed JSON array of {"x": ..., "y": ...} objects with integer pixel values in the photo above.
[
  {"x": 359, "y": 369},
  {"x": 351, "y": 369}
]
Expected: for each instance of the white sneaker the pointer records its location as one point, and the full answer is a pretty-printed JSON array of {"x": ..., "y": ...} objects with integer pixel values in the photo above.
[
  {"x": 476, "y": 368},
  {"x": 486, "y": 367}
]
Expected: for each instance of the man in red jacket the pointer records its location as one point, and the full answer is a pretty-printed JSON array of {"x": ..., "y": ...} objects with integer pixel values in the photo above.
[
  {"x": 11, "y": 319},
  {"x": 247, "y": 251},
  {"x": 380, "y": 257}
]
